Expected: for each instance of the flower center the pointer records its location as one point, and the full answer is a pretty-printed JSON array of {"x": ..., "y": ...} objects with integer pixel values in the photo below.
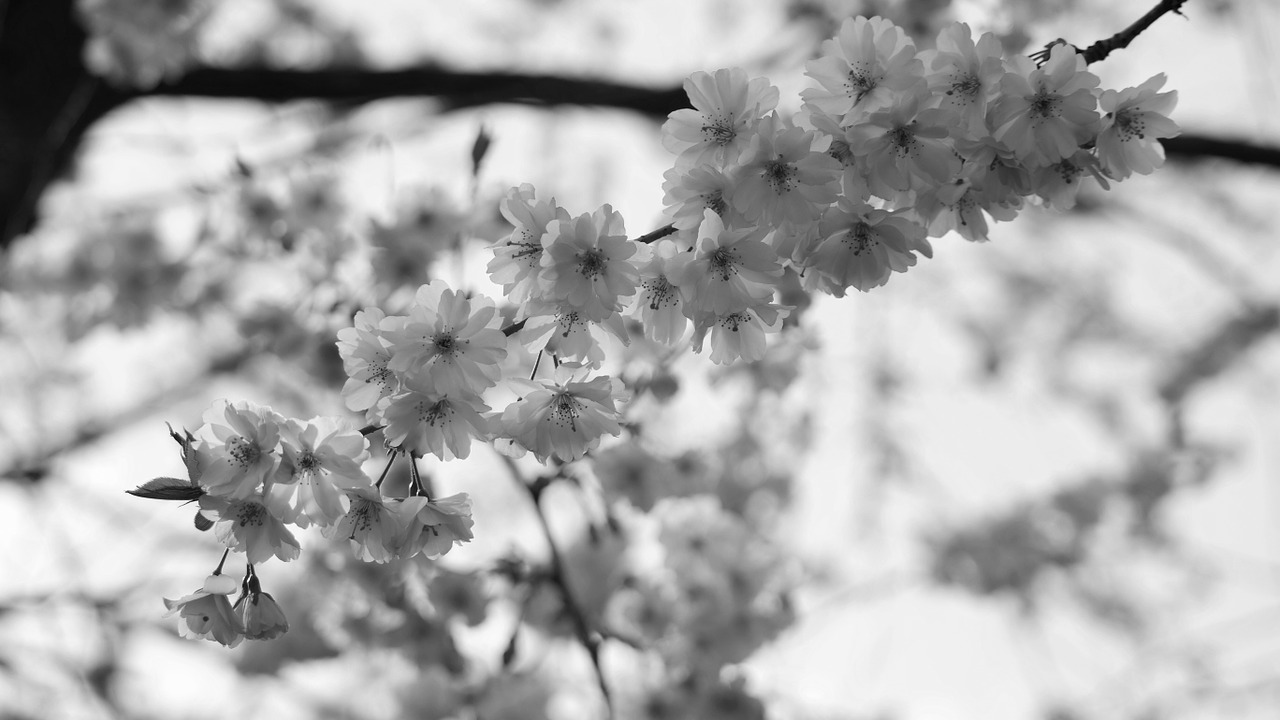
[
  {"x": 1045, "y": 105},
  {"x": 779, "y": 175},
  {"x": 591, "y": 264},
  {"x": 719, "y": 132},
  {"x": 722, "y": 263},
  {"x": 859, "y": 239},
  {"x": 245, "y": 452}
]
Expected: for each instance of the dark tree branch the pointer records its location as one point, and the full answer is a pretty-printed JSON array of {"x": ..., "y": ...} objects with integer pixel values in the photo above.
[{"x": 1101, "y": 49}]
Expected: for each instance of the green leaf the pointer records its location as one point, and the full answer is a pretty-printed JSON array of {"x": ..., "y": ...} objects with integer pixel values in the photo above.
[
  {"x": 167, "y": 488},
  {"x": 203, "y": 523}
]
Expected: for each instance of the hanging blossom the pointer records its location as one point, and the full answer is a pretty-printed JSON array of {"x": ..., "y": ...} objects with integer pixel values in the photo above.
[
  {"x": 567, "y": 333},
  {"x": 450, "y": 342},
  {"x": 321, "y": 461},
  {"x": 1044, "y": 114},
  {"x": 959, "y": 207},
  {"x": 247, "y": 525},
  {"x": 259, "y": 613},
  {"x": 739, "y": 335},
  {"x": 1059, "y": 183},
  {"x": 517, "y": 260},
  {"x": 862, "y": 246},
  {"x": 433, "y": 527},
  {"x": 862, "y": 68},
  {"x": 1135, "y": 120},
  {"x": 419, "y": 421},
  {"x": 207, "y": 613},
  {"x": 566, "y": 417},
  {"x": 726, "y": 106},
  {"x": 659, "y": 305},
  {"x": 782, "y": 178},
  {"x": 374, "y": 525},
  {"x": 586, "y": 263}
]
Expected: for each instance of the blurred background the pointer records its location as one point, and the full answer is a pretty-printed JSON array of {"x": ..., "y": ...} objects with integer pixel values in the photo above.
[{"x": 1032, "y": 478}]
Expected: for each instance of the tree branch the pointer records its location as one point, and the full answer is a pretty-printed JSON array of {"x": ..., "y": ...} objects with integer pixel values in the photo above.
[{"x": 1101, "y": 49}]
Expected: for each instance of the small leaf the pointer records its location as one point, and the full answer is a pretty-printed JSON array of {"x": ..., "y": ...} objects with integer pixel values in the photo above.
[
  {"x": 479, "y": 149},
  {"x": 509, "y": 655},
  {"x": 203, "y": 523},
  {"x": 167, "y": 488}
]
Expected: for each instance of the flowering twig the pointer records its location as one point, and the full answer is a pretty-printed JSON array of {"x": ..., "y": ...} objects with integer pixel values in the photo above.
[
  {"x": 1102, "y": 48},
  {"x": 589, "y": 638}
]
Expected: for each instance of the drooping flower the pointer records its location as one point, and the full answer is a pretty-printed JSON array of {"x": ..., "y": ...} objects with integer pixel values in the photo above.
[
  {"x": 566, "y": 417},
  {"x": 517, "y": 259},
  {"x": 449, "y": 343},
  {"x": 659, "y": 305},
  {"x": 725, "y": 107},
  {"x": 1135, "y": 120},
  {"x": 434, "y": 526},
  {"x": 247, "y": 525},
  {"x": 1044, "y": 114},
  {"x": 782, "y": 177},
  {"x": 1059, "y": 183},
  {"x": 862, "y": 246},
  {"x": 861, "y": 69},
  {"x": 241, "y": 441},
  {"x": 321, "y": 461},
  {"x": 739, "y": 335},
  {"x": 960, "y": 206},
  {"x": 586, "y": 263},
  {"x": 373, "y": 525},
  {"x": 259, "y": 613},
  {"x": 568, "y": 333},
  {"x": 207, "y": 613},
  {"x": 420, "y": 422}
]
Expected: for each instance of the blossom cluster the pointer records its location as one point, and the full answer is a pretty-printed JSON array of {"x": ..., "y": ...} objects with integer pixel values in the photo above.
[
  {"x": 256, "y": 473},
  {"x": 422, "y": 376},
  {"x": 892, "y": 147}
]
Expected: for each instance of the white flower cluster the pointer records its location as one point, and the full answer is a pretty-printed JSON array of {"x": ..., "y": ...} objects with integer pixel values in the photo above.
[
  {"x": 896, "y": 145},
  {"x": 421, "y": 376},
  {"x": 256, "y": 472}
]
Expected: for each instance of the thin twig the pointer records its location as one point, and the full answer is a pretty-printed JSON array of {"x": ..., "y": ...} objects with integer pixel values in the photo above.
[
  {"x": 1101, "y": 49},
  {"x": 589, "y": 638}
]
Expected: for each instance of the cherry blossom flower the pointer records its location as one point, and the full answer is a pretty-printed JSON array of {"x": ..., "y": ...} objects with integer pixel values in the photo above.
[
  {"x": 247, "y": 525},
  {"x": 373, "y": 524},
  {"x": 586, "y": 263},
  {"x": 322, "y": 459},
  {"x": 959, "y": 206},
  {"x": 366, "y": 354},
  {"x": 1045, "y": 113},
  {"x": 739, "y": 335},
  {"x": 448, "y": 343},
  {"x": 659, "y": 305},
  {"x": 726, "y": 105},
  {"x": 567, "y": 333},
  {"x": 862, "y": 246},
  {"x": 689, "y": 193},
  {"x": 728, "y": 271},
  {"x": 517, "y": 260},
  {"x": 1135, "y": 120},
  {"x": 259, "y": 613},
  {"x": 566, "y": 417},
  {"x": 420, "y": 422},
  {"x": 861, "y": 69},
  {"x": 1059, "y": 183},
  {"x": 782, "y": 177},
  {"x": 207, "y": 613},
  {"x": 902, "y": 143},
  {"x": 965, "y": 75},
  {"x": 240, "y": 446},
  {"x": 434, "y": 526}
]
